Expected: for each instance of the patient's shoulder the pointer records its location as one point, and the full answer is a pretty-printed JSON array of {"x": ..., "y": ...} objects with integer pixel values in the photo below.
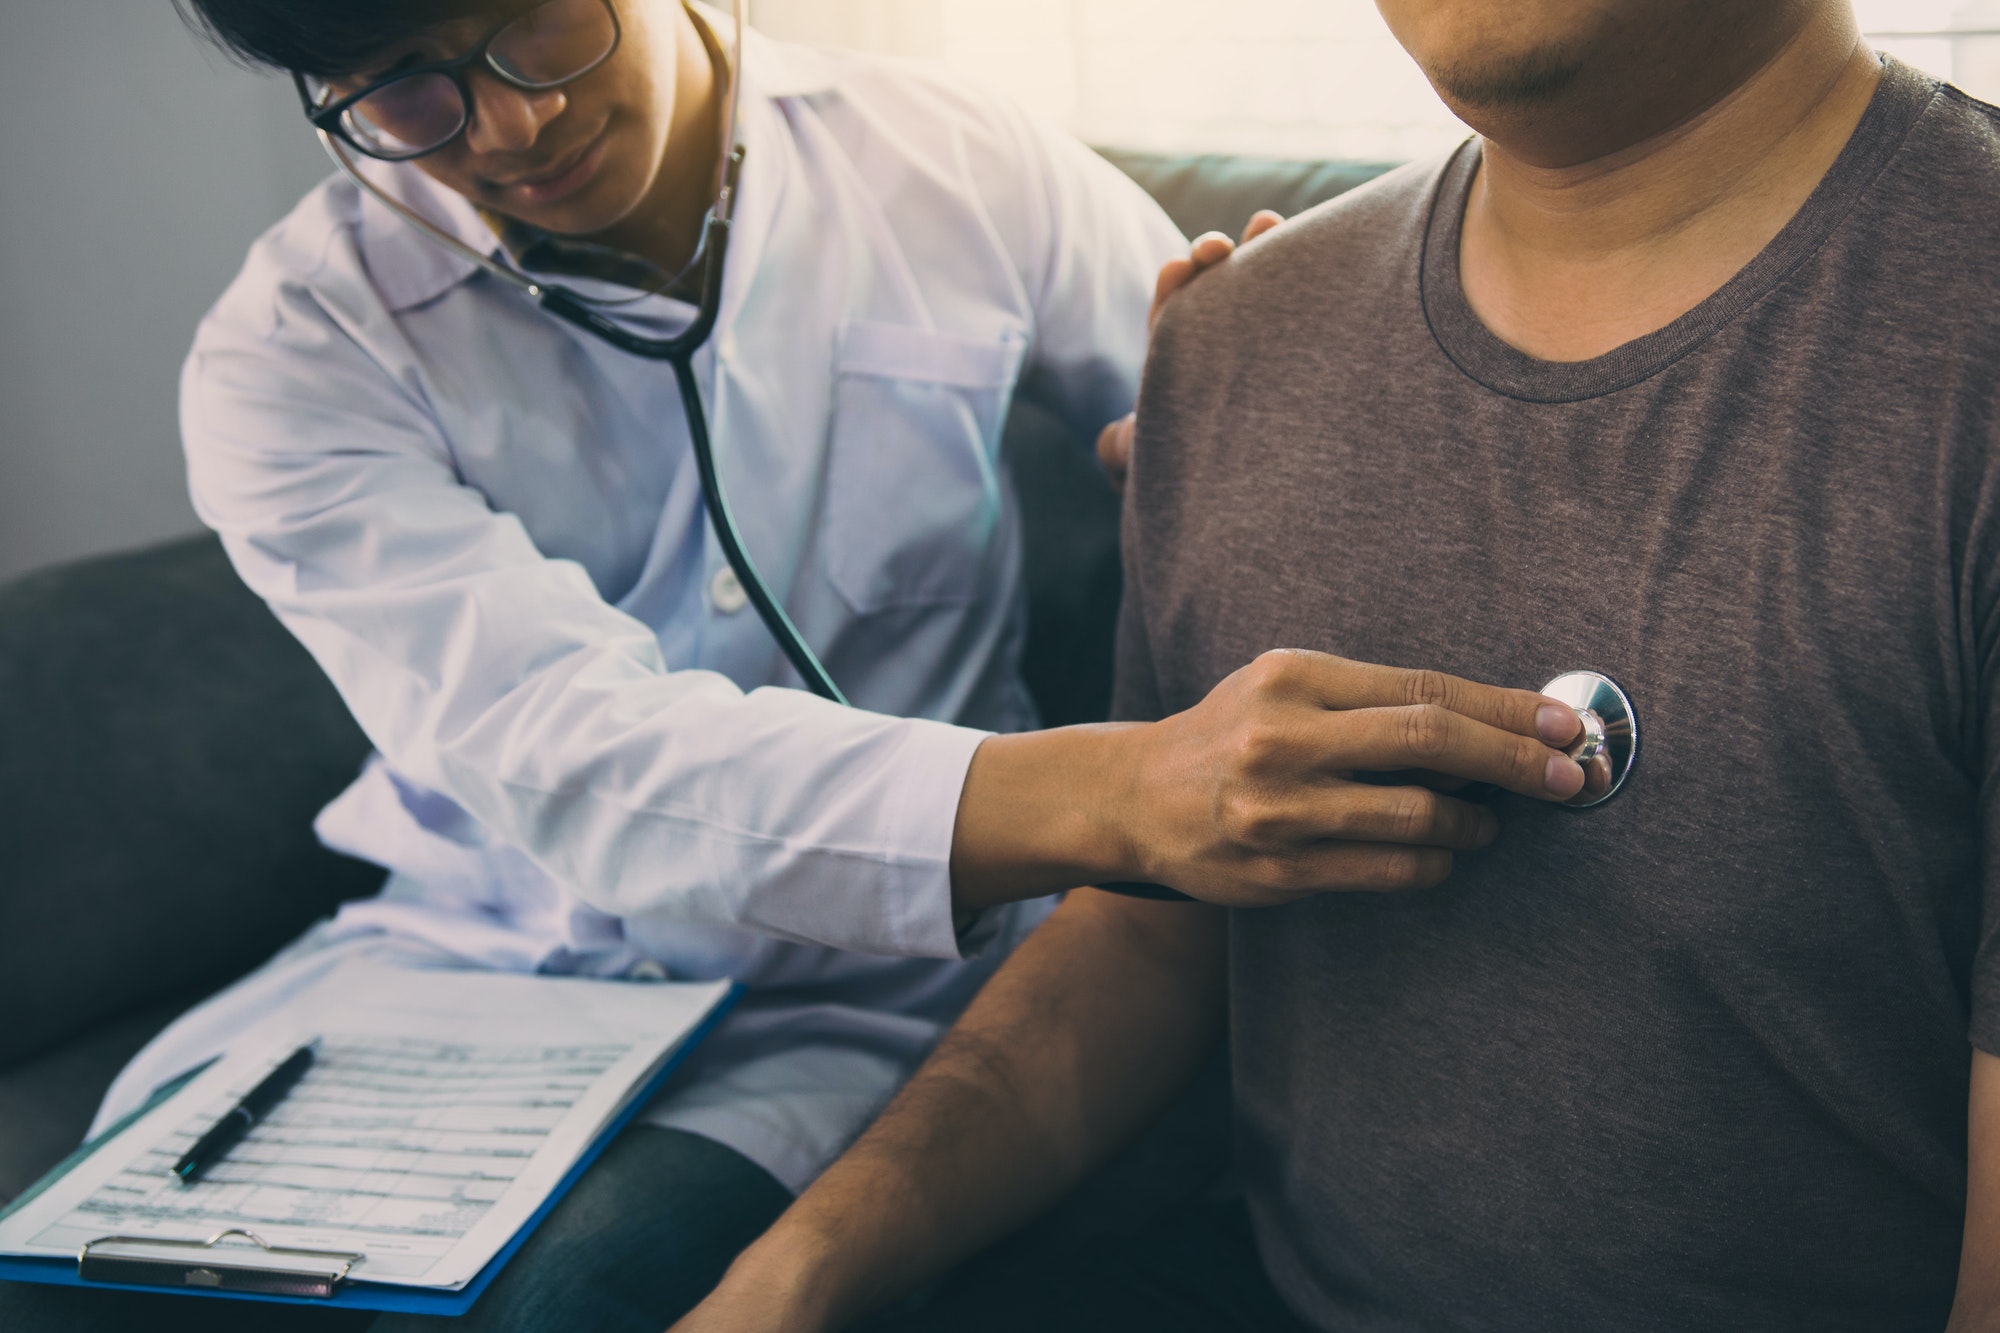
[
  {"x": 1939, "y": 193},
  {"x": 1389, "y": 205},
  {"x": 1364, "y": 245},
  {"x": 1322, "y": 286}
]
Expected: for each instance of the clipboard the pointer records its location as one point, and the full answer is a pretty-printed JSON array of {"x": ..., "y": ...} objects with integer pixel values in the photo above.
[{"x": 312, "y": 1271}]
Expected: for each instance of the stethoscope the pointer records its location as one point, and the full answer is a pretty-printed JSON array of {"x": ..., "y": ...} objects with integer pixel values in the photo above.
[{"x": 1607, "y": 749}]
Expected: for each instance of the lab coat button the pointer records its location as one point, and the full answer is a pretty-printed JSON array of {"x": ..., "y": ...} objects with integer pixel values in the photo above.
[{"x": 725, "y": 592}]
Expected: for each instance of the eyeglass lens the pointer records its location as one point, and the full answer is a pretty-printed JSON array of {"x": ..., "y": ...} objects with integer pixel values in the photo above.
[
  {"x": 545, "y": 47},
  {"x": 407, "y": 117},
  {"x": 553, "y": 43}
]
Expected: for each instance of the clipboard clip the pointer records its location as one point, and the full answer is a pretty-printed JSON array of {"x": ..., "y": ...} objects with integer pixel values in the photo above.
[{"x": 266, "y": 1270}]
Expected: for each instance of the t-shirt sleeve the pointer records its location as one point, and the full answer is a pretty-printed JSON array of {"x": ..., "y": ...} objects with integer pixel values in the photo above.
[{"x": 1135, "y": 691}]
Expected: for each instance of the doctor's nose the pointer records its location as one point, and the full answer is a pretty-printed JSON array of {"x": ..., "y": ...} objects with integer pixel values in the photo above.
[{"x": 506, "y": 119}]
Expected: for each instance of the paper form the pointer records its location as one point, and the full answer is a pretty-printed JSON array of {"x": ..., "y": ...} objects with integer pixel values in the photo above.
[{"x": 442, "y": 1107}]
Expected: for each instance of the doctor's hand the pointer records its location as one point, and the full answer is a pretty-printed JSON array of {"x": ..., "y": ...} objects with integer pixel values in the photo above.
[
  {"x": 1256, "y": 795},
  {"x": 1114, "y": 442}
]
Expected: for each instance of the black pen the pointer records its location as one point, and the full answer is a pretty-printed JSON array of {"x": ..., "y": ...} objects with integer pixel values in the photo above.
[{"x": 227, "y": 1132}]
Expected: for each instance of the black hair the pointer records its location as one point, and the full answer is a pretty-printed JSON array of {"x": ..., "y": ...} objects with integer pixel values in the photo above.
[{"x": 319, "y": 37}]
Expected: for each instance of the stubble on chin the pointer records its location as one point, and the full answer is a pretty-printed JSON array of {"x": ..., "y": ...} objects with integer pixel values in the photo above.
[{"x": 1511, "y": 82}]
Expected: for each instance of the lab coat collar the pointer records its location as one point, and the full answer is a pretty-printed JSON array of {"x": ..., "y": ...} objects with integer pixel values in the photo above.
[
  {"x": 409, "y": 269},
  {"x": 772, "y": 72},
  {"x": 772, "y": 68}
]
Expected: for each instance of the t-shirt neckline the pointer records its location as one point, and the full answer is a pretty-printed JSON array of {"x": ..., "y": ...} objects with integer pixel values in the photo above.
[{"x": 1899, "y": 101}]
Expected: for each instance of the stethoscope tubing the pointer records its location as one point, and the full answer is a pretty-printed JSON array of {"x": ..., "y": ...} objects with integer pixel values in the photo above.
[{"x": 679, "y": 352}]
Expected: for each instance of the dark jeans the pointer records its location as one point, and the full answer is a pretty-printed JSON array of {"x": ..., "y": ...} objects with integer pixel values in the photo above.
[
  {"x": 1193, "y": 1270},
  {"x": 644, "y": 1236}
]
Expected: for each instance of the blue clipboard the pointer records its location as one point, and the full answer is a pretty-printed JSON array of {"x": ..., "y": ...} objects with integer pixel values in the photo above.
[{"x": 359, "y": 1294}]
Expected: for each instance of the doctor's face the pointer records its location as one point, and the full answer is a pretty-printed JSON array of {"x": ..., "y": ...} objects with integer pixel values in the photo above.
[
  {"x": 574, "y": 159},
  {"x": 1561, "y": 81}
]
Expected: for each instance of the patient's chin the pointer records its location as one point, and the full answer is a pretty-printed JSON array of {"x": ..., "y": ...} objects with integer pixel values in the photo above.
[{"x": 1507, "y": 82}]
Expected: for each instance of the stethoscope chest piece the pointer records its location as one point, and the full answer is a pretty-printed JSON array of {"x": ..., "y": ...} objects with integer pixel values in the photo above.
[{"x": 1610, "y": 742}]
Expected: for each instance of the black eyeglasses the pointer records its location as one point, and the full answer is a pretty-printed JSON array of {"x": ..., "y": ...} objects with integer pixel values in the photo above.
[{"x": 416, "y": 111}]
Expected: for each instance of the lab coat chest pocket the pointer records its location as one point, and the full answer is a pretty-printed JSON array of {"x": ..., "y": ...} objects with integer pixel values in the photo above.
[{"x": 913, "y": 492}]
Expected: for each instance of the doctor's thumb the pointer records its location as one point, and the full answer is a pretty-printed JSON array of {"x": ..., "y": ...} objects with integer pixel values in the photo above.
[{"x": 1114, "y": 450}]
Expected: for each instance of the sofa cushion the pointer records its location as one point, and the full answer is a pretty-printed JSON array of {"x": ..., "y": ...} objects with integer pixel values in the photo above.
[
  {"x": 164, "y": 746},
  {"x": 48, "y": 1102},
  {"x": 1218, "y": 192}
]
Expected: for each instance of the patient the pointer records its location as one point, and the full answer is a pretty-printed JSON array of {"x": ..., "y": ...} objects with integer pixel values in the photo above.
[{"x": 1683, "y": 371}]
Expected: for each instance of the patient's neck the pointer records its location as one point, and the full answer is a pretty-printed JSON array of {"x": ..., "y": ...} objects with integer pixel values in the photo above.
[{"x": 1567, "y": 262}]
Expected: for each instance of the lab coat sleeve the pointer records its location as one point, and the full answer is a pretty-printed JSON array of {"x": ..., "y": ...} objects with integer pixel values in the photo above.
[
  {"x": 500, "y": 678},
  {"x": 1093, "y": 249}
]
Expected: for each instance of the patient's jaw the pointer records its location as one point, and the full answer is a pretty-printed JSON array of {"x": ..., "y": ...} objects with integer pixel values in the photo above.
[{"x": 1559, "y": 82}]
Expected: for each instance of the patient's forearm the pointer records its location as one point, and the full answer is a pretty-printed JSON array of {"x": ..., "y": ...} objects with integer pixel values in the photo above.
[
  {"x": 1086, "y": 1033},
  {"x": 1977, "y": 1308}
]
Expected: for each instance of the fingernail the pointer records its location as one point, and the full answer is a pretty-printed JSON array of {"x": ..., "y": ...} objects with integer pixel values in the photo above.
[
  {"x": 1564, "y": 777},
  {"x": 1558, "y": 725},
  {"x": 1489, "y": 828}
]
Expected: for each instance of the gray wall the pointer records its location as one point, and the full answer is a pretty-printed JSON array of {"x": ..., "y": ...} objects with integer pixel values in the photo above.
[{"x": 135, "y": 167}]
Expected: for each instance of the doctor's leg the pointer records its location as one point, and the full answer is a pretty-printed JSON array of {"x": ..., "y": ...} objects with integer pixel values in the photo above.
[
  {"x": 29, "y": 1308},
  {"x": 642, "y": 1238}
]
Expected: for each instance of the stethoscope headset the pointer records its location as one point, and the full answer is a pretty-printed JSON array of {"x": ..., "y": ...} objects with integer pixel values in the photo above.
[{"x": 1610, "y": 741}]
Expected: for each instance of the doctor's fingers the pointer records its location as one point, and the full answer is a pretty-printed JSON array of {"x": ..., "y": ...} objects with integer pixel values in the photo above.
[
  {"x": 1342, "y": 867},
  {"x": 1114, "y": 449},
  {"x": 1342, "y": 683},
  {"x": 1174, "y": 275},
  {"x": 1438, "y": 740},
  {"x": 1309, "y": 747},
  {"x": 1260, "y": 222},
  {"x": 1204, "y": 253},
  {"x": 1303, "y": 819}
]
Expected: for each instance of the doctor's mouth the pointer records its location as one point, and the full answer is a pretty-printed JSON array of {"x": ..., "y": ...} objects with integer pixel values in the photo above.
[{"x": 567, "y": 177}]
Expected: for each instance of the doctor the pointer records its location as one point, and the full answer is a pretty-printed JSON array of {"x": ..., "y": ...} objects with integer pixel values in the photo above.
[{"x": 592, "y": 758}]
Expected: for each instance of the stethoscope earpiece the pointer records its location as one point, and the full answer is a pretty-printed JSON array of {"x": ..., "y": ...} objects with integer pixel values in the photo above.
[{"x": 1609, "y": 745}]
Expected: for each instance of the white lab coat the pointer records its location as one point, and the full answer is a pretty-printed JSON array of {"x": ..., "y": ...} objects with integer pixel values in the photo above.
[{"x": 486, "y": 526}]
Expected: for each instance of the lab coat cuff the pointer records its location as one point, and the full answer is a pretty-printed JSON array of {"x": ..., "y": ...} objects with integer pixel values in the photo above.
[{"x": 932, "y": 765}]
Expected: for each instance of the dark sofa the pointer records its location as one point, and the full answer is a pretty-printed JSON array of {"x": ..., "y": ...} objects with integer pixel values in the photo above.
[{"x": 164, "y": 745}]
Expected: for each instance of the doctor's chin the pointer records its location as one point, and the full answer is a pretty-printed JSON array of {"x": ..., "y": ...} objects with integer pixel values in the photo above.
[{"x": 784, "y": 666}]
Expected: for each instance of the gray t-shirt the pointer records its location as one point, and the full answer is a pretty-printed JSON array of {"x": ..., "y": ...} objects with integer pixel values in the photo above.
[{"x": 1698, "y": 1059}]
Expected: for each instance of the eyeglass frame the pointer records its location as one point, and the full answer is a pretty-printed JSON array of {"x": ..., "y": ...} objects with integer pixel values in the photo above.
[{"x": 327, "y": 119}]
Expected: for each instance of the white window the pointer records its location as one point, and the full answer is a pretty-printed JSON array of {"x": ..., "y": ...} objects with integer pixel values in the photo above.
[
  {"x": 1952, "y": 39},
  {"x": 1282, "y": 78}
]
